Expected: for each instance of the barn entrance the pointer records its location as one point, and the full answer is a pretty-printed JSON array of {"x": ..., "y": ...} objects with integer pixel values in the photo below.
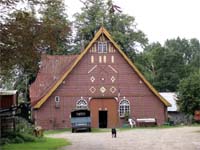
[
  {"x": 103, "y": 119},
  {"x": 104, "y": 113}
]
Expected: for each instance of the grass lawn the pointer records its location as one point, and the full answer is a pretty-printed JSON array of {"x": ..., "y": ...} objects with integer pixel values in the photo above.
[
  {"x": 43, "y": 144},
  {"x": 57, "y": 131}
]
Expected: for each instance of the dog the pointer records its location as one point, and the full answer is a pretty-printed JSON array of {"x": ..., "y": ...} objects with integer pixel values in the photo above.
[{"x": 114, "y": 133}]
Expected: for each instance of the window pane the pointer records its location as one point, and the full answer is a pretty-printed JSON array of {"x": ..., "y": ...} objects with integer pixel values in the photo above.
[
  {"x": 124, "y": 107},
  {"x": 100, "y": 47},
  {"x": 81, "y": 104},
  {"x": 104, "y": 47}
]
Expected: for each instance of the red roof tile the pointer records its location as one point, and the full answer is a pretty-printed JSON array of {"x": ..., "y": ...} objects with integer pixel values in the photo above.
[{"x": 52, "y": 67}]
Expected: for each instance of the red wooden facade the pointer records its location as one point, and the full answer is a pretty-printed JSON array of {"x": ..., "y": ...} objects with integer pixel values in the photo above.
[
  {"x": 8, "y": 99},
  {"x": 102, "y": 79},
  {"x": 8, "y": 109}
]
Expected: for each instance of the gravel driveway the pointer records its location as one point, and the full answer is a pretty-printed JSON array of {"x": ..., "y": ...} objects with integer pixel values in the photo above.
[{"x": 180, "y": 138}]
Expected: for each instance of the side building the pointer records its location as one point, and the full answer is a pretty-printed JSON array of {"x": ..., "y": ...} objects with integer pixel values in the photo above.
[
  {"x": 8, "y": 111},
  {"x": 101, "y": 79}
]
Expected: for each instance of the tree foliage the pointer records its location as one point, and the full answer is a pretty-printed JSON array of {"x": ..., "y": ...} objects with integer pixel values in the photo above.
[
  {"x": 189, "y": 93},
  {"x": 121, "y": 26},
  {"x": 18, "y": 46},
  {"x": 164, "y": 66},
  {"x": 56, "y": 28},
  {"x": 24, "y": 38},
  {"x": 18, "y": 50}
]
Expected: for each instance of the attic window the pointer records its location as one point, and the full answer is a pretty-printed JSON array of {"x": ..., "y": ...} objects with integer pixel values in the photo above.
[
  {"x": 102, "y": 47},
  {"x": 57, "y": 101}
]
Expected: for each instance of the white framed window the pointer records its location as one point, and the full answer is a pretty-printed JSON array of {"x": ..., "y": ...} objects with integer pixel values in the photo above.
[
  {"x": 124, "y": 107},
  {"x": 102, "y": 47},
  {"x": 81, "y": 104},
  {"x": 57, "y": 101}
]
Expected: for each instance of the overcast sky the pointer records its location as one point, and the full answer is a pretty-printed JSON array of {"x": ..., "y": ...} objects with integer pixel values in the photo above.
[{"x": 159, "y": 19}]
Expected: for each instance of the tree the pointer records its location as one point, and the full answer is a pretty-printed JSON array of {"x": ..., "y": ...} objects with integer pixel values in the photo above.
[
  {"x": 23, "y": 38},
  {"x": 121, "y": 26},
  {"x": 147, "y": 62},
  {"x": 195, "y": 56},
  {"x": 188, "y": 93},
  {"x": 56, "y": 28},
  {"x": 164, "y": 66},
  {"x": 9, "y": 6},
  {"x": 88, "y": 22},
  {"x": 18, "y": 49}
]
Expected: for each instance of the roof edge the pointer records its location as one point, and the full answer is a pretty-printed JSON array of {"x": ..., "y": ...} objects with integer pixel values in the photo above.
[
  {"x": 43, "y": 99},
  {"x": 136, "y": 70},
  {"x": 99, "y": 32}
]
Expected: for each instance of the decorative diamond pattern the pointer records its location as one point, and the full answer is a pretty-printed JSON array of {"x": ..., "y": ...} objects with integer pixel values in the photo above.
[
  {"x": 112, "y": 79},
  {"x": 113, "y": 89},
  {"x": 92, "y": 79},
  {"x": 102, "y": 89},
  {"x": 92, "y": 89}
]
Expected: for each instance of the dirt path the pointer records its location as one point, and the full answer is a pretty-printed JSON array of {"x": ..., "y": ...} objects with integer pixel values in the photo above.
[{"x": 183, "y": 138}]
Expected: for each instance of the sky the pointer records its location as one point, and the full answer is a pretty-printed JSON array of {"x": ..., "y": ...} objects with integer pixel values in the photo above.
[{"x": 158, "y": 19}]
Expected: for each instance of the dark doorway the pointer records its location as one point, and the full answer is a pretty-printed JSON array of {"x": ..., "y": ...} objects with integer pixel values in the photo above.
[{"x": 103, "y": 115}]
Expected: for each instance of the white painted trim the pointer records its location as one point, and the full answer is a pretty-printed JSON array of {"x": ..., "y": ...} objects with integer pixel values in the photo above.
[
  {"x": 113, "y": 69},
  {"x": 92, "y": 69}
]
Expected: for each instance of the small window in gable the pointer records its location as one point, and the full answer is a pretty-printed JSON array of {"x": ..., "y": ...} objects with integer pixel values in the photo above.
[
  {"x": 57, "y": 101},
  {"x": 81, "y": 104},
  {"x": 102, "y": 47}
]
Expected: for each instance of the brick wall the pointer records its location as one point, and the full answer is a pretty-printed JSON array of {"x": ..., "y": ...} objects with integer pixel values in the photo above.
[{"x": 126, "y": 83}]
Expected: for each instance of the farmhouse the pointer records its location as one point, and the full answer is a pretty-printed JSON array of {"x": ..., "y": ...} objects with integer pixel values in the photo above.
[{"x": 101, "y": 79}]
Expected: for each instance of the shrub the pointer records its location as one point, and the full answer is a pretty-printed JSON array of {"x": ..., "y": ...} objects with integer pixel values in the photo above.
[
  {"x": 5, "y": 141},
  {"x": 27, "y": 137},
  {"x": 17, "y": 140},
  {"x": 23, "y": 133},
  {"x": 23, "y": 126}
]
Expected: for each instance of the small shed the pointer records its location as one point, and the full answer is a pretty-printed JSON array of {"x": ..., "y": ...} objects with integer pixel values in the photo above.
[
  {"x": 8, "y": 98},
  {"x": 8, "y": 108},
  {"x": 173, "y": 111}
]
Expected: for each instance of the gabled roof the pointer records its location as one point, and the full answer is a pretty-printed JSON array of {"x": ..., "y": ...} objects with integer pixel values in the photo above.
[
  {"x": 102, "y": 30},
  {"x": 52, "y": 68}
]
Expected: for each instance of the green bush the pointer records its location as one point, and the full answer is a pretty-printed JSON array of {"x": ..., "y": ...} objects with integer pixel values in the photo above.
[
  {"x": 17, "y": 140},
  {"x": 23, "y": 133},
  {"x": 5, "y": 141},
  {"x": 23, "y": 126},
  {"x": 27, "y": 137}
]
